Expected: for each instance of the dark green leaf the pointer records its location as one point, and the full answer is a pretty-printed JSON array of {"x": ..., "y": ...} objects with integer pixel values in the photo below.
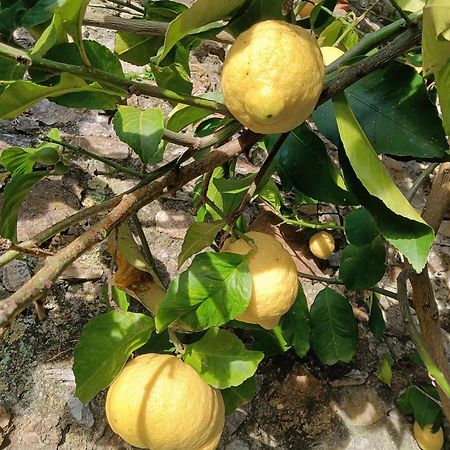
[
  {"x": 334, "y": 330},
  {"x": 376, "y": 320},
  {"x": 213, "y": 290},
  {"x": 199, "y": 236},
  {"x": 378, "y": 183},
  {"x": 385, "y": 371},
  {"x": 39, "y": 13},
  {"x": 141, "y": 130},
  {"x": 425, "y": 410},
  {"x": 360, "y": 227},
  {"x": 236, "y": 396},
  {"x": 11, "y": 70},
  {"x": 443, "y": 90},
  {"x": 105, "y": 344},
  {"x": 270, "y": 342},
  {"x": 13, "y": 196},
  {"x": 158, "y": 343},
  {"x": 221, "y": 359},
  {"x": 163, "y": 10},
  {"x": 363, "y": 266},
  {"x": 304, "y": 163},
  {"x": 136, "y": 49},
  {"x": 295, "y": 325},
  {"x": 395, "y": 113}
]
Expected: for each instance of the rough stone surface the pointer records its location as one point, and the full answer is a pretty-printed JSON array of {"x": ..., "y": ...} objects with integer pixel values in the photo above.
[{"x": 15, "y": 274}]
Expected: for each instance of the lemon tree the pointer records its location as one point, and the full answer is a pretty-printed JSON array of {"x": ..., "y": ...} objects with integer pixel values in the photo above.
[{"x": 324, "y": 104}]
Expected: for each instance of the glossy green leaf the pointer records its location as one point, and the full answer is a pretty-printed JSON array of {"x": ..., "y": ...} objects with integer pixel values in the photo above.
[
  {"x": 376, "y": 319},
  {"x": 360, "y": 227},
  {"x": 176, "y": 75},
  {"x": 443, "y": 89},
  {"x": 330, "y": 34},
  {"x": 271, "y": 194},
  {"x": 105, "y": 344},
  {"x": 377, "y": 181},
  {"x": 215, "y": 288},
  {"x": 163, "y": 10},
  {"x": 221, "y": 359},
  {"x": 304, "y": 164},
  {"x": 11, "y": 70},
  {"x": 13, "y": 196},
  {"x": 119, "y": 297},
  {"x": 363, "y": 266},
  {"x": 201, "y": 13},
  {"x": 411, "y": 5},
  {"x": 40, "y": 12},
  {"x": 295, "y": 325},
  {"x": 394, "y": 110},
  {"x": 141, "y": 130},
  {"x": 385, "y": 370},
  {"x": 236, "y": 396},
  {"x": 199, "y": 236},
  {"x": 182, "y": 116},
  {"x": 136, "y": 49},
  {"x": 53, "y": 35},
  {"x": 334, "y": 330},
  {"x": 158, "y": 343},
  {"x": 270, "y": 342},
  {"x": 435, "y": 35}
]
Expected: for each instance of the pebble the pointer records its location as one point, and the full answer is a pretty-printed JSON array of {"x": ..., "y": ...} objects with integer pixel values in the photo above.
[
  {"x": 15, "y": 275},
  {"x": 81, "y": 412}
]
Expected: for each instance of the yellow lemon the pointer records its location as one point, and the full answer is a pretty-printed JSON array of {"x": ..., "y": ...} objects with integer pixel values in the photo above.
[
  {"x": 330, "y": 54},
  {"x": 274, "y": 276},
  {"x": 321, "y": 244},
  {"x": 160, "y": 403},
  {"x": 272, "y": 76},
  {"x": 426, "y": 439}
]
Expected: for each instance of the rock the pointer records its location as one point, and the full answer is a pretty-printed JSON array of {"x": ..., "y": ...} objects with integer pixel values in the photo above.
[
  {"x": 359, "y": 406},
  {"x": 15, "y": 275},
  {"x": 109, "y": 148},
  {"x": 174, "y": 223},
  {"x": 237, "y": 444},
  {"x": 234, "y": 421},
  {"x": 5, "y": 418},
  {"x": 77, "y": 271},
  {"x": 80, "y": 412},
  {"x": 354, "y": 378}
]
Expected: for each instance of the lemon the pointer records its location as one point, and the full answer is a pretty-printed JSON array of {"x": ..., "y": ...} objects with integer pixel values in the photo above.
[
  {"x": 330, "y": 54},
  {"x": 272, "y": 76},
  {"x": 321, "y": 244},
  {"x": 160, "y": 403},
  {"x": 426, "y": 439},
  {"x": 274, "y": 277},
  {"x": 305, "y": 12}
]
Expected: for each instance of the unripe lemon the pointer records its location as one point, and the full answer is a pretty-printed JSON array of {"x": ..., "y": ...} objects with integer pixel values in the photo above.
[
  {"x": 426, "y": 439},
  {"x": 321, "y": 245},
  {"x": 272, "y": 76},
  {"x": 274, "y": 276},
  {"x": 330, "y": 54},
  {"x": 160, "y": 403}
]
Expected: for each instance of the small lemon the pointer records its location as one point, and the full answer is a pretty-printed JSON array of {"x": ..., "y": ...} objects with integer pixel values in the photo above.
[
  {"x": 321, "y": 245},
  {"x": 426, "y": 439},
  {"x": 330, "y": 54},
  {"x": 272, "y": 76},
  {"x": 274, "y": 276},
  {"x": 305, "y": 12},
  {"x": 160, "y": 403}
]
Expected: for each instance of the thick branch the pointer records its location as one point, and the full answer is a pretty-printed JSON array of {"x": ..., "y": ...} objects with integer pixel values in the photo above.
[{"x": 139, "y": 26}]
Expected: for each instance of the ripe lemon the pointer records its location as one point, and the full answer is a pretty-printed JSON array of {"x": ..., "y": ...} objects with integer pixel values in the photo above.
[
  {"x": 272, "y": 76},
  {"x": 160, "y": 403},
  {"x": 321, "y": 244},
  {"x": 275, "y": 279},
  {"x": 426, "y": 439},
  {"x": 330, "y": 54}
]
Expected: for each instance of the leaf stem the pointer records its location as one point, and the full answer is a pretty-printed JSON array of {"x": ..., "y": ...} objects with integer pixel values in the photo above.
[
  {"x": 420, "y": 179},
  {"x": 402, "y": 13},
  {"x": 107, "y": 161}
]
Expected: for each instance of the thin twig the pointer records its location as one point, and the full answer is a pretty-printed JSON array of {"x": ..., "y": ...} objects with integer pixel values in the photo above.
[
  {"x": 420, "y": 179},
  {"x": 399, "y": 9},
  {"x": 6, "y": 244},
  {"x": 128, "y": 5}
]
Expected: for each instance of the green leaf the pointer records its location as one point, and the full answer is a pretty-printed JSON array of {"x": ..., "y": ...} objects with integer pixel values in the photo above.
[
  {"x": 334, "y": 330},
  {"x": 201, "y": 13},
  {"x": 11, "y": 70},
  {"x": 411, "y": 5},
  {"x": 295, "y": 325},
  {"x": 360, "y": 227},
  {"x": 105, "y": 344},
  {"x": 53, "y": 35},
  {"x": 443, "y": 89},
  {"x": 213, "y": 290},
  {"x": 22, "y": 95},
  {"x": 271, "y": 194},
  {"x": 221, "y": 359},
  {"x": 13, "y": 196},
  {"x": 174, "y": 76},
  {"x": 376, "y": 180},
  {"x": 236, "y": 396},
  {"x": 141, "y": 130},
  {"x": 39, "y": 13},
  {"x": 387, "y": 103},
  {"x": 304, "y": 164},
  {"x": 199, "y": 236},
  {"x": 136, "y": 49},
  {"x": 163, "y": 10},
  {"x": 270, "y": 342},
  {"x": 376, "y": 319},
  {"x": 385, "y": 371},
  {"x": 363, "y": 266},
  {"x": 158, "y": 343},
  {"x": 182, "y": 116},
  {"x": 330, "y": 34},
  {"x": 435, "y": 35},
  {"x": 119, "y": 297}
]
